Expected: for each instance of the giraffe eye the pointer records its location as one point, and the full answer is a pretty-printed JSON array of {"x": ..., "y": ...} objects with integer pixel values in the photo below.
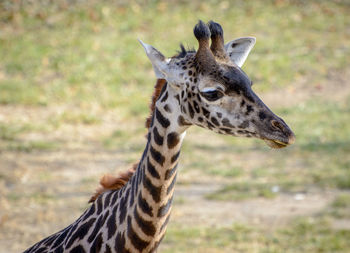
[{"x": 212, "y": 94}]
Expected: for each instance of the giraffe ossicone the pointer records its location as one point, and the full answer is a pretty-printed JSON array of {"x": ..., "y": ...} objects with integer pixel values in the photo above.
[{"x": 206, "y": 88}]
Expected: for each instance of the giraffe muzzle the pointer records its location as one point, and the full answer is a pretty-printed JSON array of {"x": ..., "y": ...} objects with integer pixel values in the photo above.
[{"x": 278, "y": 135}]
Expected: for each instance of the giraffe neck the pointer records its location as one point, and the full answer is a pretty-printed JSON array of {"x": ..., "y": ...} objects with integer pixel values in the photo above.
[
  {"x": 150, "y": 190},
  {"x": 133, "y": 218}
]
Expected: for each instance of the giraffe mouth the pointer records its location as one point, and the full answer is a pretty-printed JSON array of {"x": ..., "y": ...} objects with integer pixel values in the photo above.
[{"x": 275, "y": 143}]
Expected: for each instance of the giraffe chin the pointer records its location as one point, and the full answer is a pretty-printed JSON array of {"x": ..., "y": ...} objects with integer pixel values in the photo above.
[{"x": 275, "y": 144}]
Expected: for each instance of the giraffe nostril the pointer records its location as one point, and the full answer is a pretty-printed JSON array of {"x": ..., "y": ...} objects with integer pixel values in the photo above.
[{"x": 277, "y": 125}]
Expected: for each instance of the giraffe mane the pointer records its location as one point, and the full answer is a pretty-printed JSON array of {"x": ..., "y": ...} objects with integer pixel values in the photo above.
[
  {"x": 110, "y": 182},
  {"x": 157, "y": 91}
]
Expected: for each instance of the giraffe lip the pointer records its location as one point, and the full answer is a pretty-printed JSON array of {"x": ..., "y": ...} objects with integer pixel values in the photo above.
[{"x": 275, "y": 143}]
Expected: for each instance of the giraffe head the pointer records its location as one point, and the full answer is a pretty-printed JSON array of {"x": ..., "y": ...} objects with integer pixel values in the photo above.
[{"x": 213, "y": 92}]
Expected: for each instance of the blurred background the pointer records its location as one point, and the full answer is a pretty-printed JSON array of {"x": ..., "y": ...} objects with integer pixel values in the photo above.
[{"x": 74, "y": 91}]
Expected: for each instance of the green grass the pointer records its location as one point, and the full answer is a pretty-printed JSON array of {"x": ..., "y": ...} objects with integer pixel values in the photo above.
[
  {"x": 28, "y": 146},
  {"x": 12, "y": 133},
  {"x": 242, "y": 191},
  {"x": 303, "y": 235},
  {"x": 340, "y": 207},
  {"x": 86, "y": 53}
]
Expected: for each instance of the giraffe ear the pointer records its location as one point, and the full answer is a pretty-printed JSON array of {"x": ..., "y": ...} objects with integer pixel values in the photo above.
[
  {"x": 158, "y": 60},
  {"x": 239, "y": 49}
]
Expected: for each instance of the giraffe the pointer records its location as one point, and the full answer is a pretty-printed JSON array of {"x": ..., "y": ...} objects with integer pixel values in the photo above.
[{"x": 206, "y": 88}]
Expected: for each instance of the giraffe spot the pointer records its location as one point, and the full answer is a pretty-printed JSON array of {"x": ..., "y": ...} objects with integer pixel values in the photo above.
[
  {"x": 107, "y": 199},
  {"x": 205, "y": 112},
  {"x": 200, "y": 119},
  {"x": 226, "y": 130},
  {"x": 146, "y": 226},
  {"x": 99, "y": 223},
  {"x": 167, "y": 108},
  {"x": 97, "y": 245},
  {"x": 190, "y": 72},
  {"x": 138, "y": 243},
  {"x": 244, "y": 124},
  {"x": 49, "y": 240},
  {"x": 157, "y": 156},
  {"x": 175, "y": 157},
  {"x": 190, "y": 110},
  {"x": 122, "y": 209},
  {"x": 219, "y": 114},
  {"x": 157, "y": 137},
  {"x": 80, "y": 232},
  {"x": 171, "y": 186},
  {"x": 61, "y": 238},
  {"x": 170, "y": 172},
  {"x": 262, "y": 115},
  {"x": 99, "y": 205},
  {"x": 226, "y": 122},
  {"x": 215, "y": 121},
  {"x": 165, "y": 97},
  {"x": 152, "y": 170},
  {"x": 156, "y": 244},
  {"x": 108, "y": 249},
  {"x": 155, "y": 191},
  {"x": 145, "y": 207},
  {"x": 165, "y": 223},
  {"x": 119, "y": 245},
  {"x": 76, "y": 249},
  {"x": 111, "y": 225},
  {"x": 196, "y": 107},
  {"x": 249, "y": 109},
  {"x": 210, "y": 125},
  {"x": 242, "y": 103},
  {"x": 163, "y": 210},
  {"x": 182, "y": 122},
  {"x": 161, "y": 119},
  {"x": 172, "y": 140},
  {"x": 133, "y": 191},
  {"x": 177, "y": 97},
  {"x": 182, "y": 94}
]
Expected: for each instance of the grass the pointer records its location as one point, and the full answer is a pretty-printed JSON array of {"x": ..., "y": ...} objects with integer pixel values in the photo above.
[
  {"x": 83, "y": 56},
  {"x": 12, "y": 137},
  {"x": 304, "y": 235},
  {"x": 80, "y": 56}
]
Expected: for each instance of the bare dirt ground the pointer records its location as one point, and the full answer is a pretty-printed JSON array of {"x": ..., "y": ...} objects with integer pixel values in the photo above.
[{"x": 44, "y": 191}]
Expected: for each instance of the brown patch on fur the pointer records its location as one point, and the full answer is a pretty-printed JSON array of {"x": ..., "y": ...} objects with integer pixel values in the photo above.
[
  {"x": 157, "y": 89},
  {"x": 109, "y": 182}
]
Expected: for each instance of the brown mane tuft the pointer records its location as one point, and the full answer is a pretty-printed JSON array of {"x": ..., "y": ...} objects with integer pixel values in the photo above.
[
  {"x": 109, "y": 182},
  {"x": 157, "y": 89}
]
